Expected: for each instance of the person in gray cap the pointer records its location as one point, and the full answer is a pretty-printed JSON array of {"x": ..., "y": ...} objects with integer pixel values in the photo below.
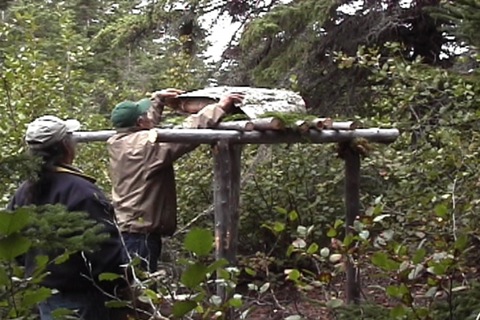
[{"x": 76, "y": 281}]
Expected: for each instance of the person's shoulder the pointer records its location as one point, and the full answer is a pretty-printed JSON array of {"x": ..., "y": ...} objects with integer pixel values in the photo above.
[
  {"x": 84, "y": 190},
  {"x": 128, "y": 141}
]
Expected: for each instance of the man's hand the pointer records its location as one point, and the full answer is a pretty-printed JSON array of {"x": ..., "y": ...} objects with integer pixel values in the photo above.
[
  {"x": 166, "y": 96},
  {"x": 228, "y": 101}
]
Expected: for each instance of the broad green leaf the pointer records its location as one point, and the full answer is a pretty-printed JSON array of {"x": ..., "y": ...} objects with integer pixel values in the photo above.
[
  {"x": 216, "y": 265},
  {"x": 250, "y": 271},
  {"x": 337, "y": 224},
  {"x": 398, "y": 312},
  {"x": 348, "y": 240},
  {"x": 181, "y": 308},
  {"x": 439, "y": 268},
  {"x": 294, "y": 275},
  {"x": 278, "y": 226},
  {"x": 13, "y": 246},
  {"x": 32, "y": 297},
  {"x": 63, "y": 313},
  {"x": 11, "y": 222},
  {"x": 293, "y": 216},
  {"x": 107, "y": 276},
  {"x": 41, "y": 261},
  {"x": 235, "y": 302},
  {"x": 199, "y": 241},
  {"x": 393, "y": 291},
  {"x": 193, "y": 275},
  {"x": 419, "y": 256},
  {"x": 462, "y": 242},
  {"x": 313, "y": 248},
  {"x": 281, "y": 210},
  {"x": 380, "y": 259},
  {"x": 62, "y": 258},
  {"x": 331, "y": 233},
  {"x": 151, "y": 294},
  {"x": 441, "y": 210}
]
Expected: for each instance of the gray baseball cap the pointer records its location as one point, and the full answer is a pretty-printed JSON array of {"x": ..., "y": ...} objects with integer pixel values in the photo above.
[{"x": 47, "y": 130}]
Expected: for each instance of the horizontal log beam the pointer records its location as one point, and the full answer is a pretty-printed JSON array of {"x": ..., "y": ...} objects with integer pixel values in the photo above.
[{"x": 209, "y": 136}]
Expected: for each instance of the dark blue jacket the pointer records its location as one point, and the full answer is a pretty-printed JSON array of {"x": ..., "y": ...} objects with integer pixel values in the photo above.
[{"x": 77, "y": 192}]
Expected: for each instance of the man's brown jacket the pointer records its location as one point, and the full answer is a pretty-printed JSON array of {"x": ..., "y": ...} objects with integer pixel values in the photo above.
[{"x": 143, "y": 179}]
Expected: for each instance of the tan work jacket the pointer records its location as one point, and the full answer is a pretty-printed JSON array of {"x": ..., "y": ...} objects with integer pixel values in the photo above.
[{"x": 143, "y": 179}]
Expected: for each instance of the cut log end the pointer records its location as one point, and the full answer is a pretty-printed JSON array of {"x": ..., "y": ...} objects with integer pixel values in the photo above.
[
  {"x": 322, "y": 123},
  {"x": 302, "y": 126},
  {"x": 264, "y": 124},
  {"x": 243, "y": 125},
  {"x": 346, "y": 125}
]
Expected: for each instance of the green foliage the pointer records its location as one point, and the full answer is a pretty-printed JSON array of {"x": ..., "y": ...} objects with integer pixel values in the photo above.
[
  {"x": 418, "y": 222},
  {"x": 199, "y": 241},
  {"x": 48, "y": 229},
  {"x": 463, "y": 17},
  {"x": 280, "y": 39}
]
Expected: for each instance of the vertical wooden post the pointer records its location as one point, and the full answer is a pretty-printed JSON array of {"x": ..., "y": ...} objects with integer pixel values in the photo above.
[
  {"x": 352, "y": 206},
  {"x": 227, "y": 158}
]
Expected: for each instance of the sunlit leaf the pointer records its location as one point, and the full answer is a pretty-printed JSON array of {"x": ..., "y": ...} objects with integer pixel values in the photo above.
[
  {"x": 181, "y": 308},
  {"x": 11, "y": 222},
  {"x": 193, "y": 275},
  {"x": 13, "y": 246},
  {"x": 199, "y": 241}
]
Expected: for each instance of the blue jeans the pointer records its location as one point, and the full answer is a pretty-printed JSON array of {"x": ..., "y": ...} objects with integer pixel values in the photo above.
[
  {"x": 85, "y": 305},
  {"x": 147, "y": 246}
]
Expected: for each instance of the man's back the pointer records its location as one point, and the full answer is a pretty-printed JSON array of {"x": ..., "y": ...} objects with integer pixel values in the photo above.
[{"x": 143, "y": 182}]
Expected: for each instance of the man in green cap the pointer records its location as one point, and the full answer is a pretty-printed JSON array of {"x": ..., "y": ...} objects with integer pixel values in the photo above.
[{"x": 141, "y": 169}]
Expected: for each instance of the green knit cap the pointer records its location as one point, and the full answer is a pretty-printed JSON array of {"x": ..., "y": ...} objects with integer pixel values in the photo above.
[{"x": 126, "y": 113}]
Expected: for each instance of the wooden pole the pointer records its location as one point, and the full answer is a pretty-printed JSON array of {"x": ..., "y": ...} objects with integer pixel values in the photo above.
[
  {"x": 243, "y": 125},
  {"x": 254, "y": 137},
  {"x": 352, "y": 210},
  {"x": 263, "y": 124},
  {"x": 226, "y": 196},
  {"x": 346, "y": 125}
]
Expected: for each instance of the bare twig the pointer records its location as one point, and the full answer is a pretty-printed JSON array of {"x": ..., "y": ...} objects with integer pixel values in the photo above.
[{"x": 277, "y": 303}]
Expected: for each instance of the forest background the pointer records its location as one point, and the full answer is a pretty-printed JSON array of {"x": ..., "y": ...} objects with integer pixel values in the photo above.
[{"x": 411, "y": 65}]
